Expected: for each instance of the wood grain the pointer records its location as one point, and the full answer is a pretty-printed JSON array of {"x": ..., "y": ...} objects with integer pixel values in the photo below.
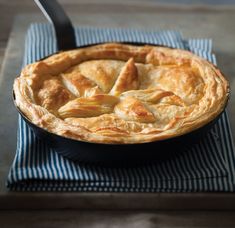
[{"x": 115, "y": 219}]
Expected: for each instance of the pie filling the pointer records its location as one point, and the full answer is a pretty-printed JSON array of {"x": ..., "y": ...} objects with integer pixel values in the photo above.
[{"x": 115, "y": 93}]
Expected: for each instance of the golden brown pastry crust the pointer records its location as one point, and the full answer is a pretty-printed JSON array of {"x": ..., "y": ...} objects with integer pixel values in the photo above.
[{"x": 116, "y": 93}]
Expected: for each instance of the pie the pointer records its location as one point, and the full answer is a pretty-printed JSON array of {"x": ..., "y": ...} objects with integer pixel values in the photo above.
[{"x": 121, "y": 94}]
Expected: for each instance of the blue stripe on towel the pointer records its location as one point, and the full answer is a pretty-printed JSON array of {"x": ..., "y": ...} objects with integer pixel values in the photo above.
[{"x": 208, "y": 166}]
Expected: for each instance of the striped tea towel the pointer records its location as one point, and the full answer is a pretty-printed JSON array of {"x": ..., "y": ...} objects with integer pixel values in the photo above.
[{"x": 208, "y": 166}]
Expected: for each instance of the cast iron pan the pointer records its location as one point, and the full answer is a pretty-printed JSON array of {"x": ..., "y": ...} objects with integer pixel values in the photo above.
[{"x": 106, "y": 154}]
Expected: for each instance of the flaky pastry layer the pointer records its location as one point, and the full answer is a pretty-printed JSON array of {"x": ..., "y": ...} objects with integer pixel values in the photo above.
[{"x": 116, "y": 93}]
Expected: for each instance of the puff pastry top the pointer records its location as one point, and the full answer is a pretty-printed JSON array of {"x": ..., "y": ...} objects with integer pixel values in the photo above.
[{"x": 116, "y": 93}]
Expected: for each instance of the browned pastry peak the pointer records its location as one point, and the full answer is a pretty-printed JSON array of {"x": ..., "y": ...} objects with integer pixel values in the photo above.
[
  {"x": 127, "y": 79},
  {"x": 89, "y": 106},
  {"x": 52, "y": 94},
  {"x": 76, "y": 83},
  {"x": 133, "y": 109}
]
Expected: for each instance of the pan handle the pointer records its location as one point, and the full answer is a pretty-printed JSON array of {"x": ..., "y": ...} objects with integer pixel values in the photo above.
[{"x": 65, "y": 34}]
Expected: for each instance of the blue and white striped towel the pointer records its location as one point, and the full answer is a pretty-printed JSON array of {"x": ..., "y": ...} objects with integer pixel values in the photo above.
[{"x": 208, "y": 166}]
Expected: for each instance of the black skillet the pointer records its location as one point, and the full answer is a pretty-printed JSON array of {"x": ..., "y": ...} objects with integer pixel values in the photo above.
[{"x": 107, "y": 154}]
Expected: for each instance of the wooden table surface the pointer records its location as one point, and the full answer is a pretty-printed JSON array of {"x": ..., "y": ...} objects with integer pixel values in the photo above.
[{"x": 140, "y": 210}]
